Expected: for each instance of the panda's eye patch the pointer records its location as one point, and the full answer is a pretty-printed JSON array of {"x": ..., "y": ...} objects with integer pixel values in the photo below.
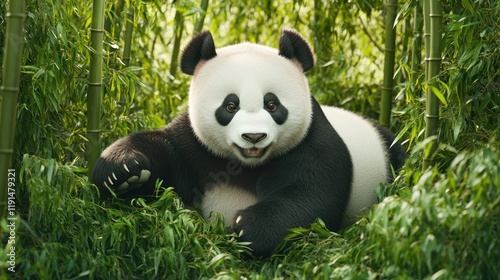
[
  {"x": 273, "y": 106},
  {"x": 226, "y": 111}
]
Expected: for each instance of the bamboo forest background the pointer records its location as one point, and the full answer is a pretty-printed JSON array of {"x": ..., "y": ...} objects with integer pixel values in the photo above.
[{"x": 443, "y": 220}]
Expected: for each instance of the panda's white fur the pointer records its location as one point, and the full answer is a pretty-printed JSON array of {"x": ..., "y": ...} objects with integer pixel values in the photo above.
[
  {"x": 225, "y": 200},
  {"x": 368, "y": 155},
  {"x": 249, "y": 71}
]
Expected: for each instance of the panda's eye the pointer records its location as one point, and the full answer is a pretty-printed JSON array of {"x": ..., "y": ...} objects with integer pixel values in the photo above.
[
  {"x": 231, "y": 107},
  {"x": 271, "y": 106}
]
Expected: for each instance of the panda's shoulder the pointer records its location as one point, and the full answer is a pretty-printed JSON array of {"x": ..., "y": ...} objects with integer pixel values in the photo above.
[{"x": 180, "y": 135}]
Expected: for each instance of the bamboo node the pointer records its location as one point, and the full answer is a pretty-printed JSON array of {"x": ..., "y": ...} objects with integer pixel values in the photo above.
[
  {"x": 18, "y": 15},
  {"x": 94, "y": 130},
  {"x": 435, "y": 15},
  {"x": 428, "y": 116},
  {"x": 386, "y": 88},
  {"x": 433, "y": 59},
  {"x": 95, "y": 84},
  {"x": 389, "y": 50},
  {"x": 96, "y": 30},
  {"x": 6, "y": 151},
  {"x": 11, "y": 89}
]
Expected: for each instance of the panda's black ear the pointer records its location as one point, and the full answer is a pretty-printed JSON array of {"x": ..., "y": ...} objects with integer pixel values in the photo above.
[
  {"x": 293, "y": 46},
  {"x": 200, "y": 48}
]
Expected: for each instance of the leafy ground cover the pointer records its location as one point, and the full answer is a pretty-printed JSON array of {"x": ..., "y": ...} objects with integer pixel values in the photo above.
[{"x": 446, "y": 226}]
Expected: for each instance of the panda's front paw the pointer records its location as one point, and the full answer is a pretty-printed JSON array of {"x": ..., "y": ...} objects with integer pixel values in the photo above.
[
  {"x": 121, "y": 173},
  {"x": 260, "y": 232}
]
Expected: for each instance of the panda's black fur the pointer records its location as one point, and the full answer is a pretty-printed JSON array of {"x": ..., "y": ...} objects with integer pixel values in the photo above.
[{"x": 310, "y": 181}]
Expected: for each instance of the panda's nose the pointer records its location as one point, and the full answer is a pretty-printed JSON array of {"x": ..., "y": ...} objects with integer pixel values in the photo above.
[{"x": 254, "y": 137}]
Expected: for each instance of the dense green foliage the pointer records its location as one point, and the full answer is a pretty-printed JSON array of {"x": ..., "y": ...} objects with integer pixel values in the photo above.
[
  {"x": 440, "y": 223},
  {"x": 446, "y": 226}
]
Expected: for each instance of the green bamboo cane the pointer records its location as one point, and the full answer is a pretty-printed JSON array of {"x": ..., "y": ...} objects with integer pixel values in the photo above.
[
  {"x": 129, "y": 28},
  {"x": 427, "y": 34},
  {"x": 13, "y": 51},
  {"x": 416, "y": 54},
  {"x": 114, "y": 19},
  {"x": 178, "y": 30},
  {"x": 199, "y": 23},
  {"x": 434, "y": 62},
  {"x": 117, "y": 19},
  {"x": 94, "y": 98},
  {"x": 427, "y": 44},
  {"x": 390, "y": 51}
]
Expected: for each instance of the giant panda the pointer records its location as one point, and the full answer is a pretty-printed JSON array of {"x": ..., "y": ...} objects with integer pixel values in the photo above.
[{"x": 255, "y": 146}]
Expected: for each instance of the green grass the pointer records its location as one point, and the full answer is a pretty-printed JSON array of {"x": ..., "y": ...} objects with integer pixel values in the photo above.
[{"x": 446, "y": 226}]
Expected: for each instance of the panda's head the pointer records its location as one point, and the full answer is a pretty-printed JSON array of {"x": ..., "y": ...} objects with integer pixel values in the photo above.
[{"x": 247, "y": 101}]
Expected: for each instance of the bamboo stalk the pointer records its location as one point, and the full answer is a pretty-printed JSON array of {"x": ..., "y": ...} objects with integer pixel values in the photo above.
[
  {"x": 178, "y": 30},
  {"x": 128, "y": 36},
  {"x": 389, "y": 59},
  {"x": 434, "y": 62},
  {"x": 117, "y": 20},
  {"x": 416, "y": 55},
  {"x": 427, "y": 34},
  {"x": 94, "y": 98},
  {"x": 13, "y": 51},
  {"x": 199, "y": 23}
]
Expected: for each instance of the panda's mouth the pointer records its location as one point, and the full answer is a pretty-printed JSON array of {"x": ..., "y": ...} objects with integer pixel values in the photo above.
[{"x": 252, "y": 152}]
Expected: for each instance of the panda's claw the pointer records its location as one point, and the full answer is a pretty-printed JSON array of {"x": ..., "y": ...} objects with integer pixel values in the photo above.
[
  {"x": 114, "y": 176},
  {"x": 238, "y": 219},
  {"x": 240, "y": 234},
  {"x": 126, "y": 167},
  {"x": 110, "y": 181}
]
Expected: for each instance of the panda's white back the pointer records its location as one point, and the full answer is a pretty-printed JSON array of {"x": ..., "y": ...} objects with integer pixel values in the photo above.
[{"x": 368, "y": 155}]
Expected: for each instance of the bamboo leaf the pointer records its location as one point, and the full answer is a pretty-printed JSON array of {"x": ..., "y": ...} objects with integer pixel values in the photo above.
[
  {"x": 439, "y": 95},
  {"x": 468, "y": 5}
]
